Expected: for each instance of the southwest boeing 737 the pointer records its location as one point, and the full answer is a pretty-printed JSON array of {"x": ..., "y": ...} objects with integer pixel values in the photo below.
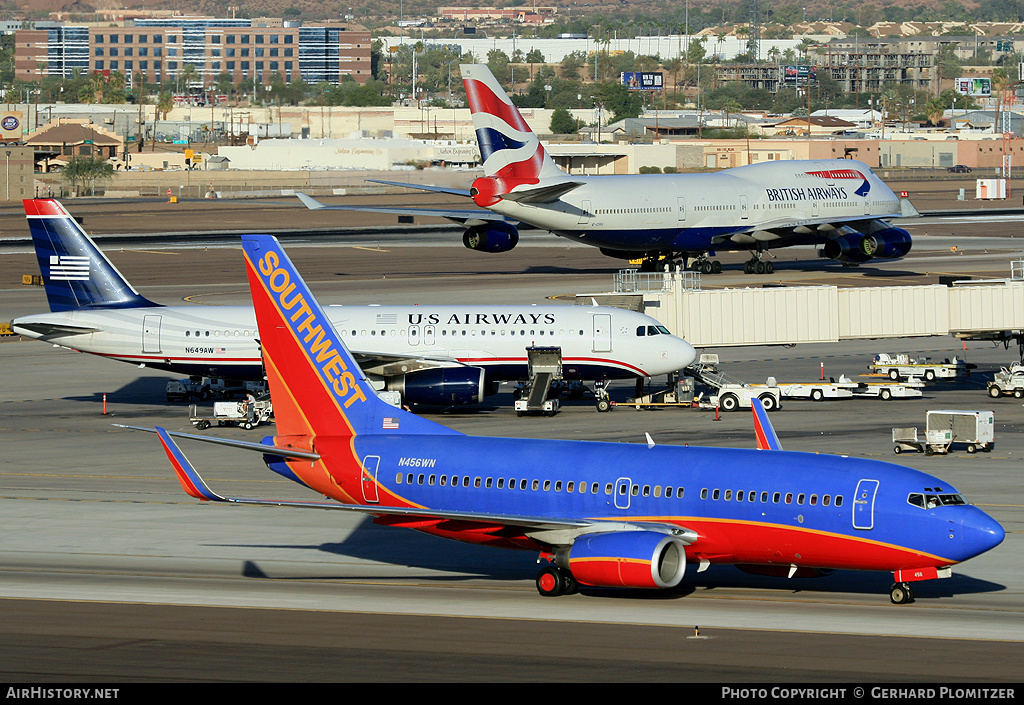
[
  {"x": 836, "y": 203},
  {"x": 435, "y": 355},
  {"x": 599, "y": 514}
]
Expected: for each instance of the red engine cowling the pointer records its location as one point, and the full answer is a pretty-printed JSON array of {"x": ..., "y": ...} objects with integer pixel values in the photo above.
[
  {"x": 628, "y": 559},
  {"x": 487, "y": 190}
]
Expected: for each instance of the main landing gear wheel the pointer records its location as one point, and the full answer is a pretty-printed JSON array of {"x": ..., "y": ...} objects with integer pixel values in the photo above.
[
  {"x": 552, "y": 581},
  {"x": 901, "y": 594},
  {"x": 707, "y": 266},
  {"x": 756, "y": 266}
]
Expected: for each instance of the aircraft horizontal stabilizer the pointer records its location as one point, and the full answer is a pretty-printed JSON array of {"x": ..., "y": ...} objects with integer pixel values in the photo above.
[
  {"x": 543, "y": 194},
  {"x": 424, "y": 187},
  {"x": 455, "y": 214},
  {"x": 45, "y": 330},
  {"x": 239, "y": 445}
]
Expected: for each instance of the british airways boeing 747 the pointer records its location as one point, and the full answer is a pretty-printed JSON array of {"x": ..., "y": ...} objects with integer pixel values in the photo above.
[{"x": 838, "y": 204}]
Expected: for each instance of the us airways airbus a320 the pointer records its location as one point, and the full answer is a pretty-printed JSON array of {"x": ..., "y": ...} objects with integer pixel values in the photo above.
[
  {"x": 430, "y": 354},
  {"x": 838, "y": 204},
  {"x": 626, "y": 515}
]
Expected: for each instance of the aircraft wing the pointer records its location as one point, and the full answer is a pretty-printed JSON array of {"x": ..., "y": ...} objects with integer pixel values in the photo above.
[
  {"x": 462, "y": 216},
  {"x": 376, "y": 362},
  {"x": 195, "y": 486},
  {"x": 787, "y": 232}
]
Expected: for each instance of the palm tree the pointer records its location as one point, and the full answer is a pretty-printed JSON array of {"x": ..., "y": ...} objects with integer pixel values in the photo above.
[{"x": 164, "y": 104}]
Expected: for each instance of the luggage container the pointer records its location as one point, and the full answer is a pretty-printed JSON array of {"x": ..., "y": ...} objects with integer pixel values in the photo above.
[{"x": 944, "y": 428}]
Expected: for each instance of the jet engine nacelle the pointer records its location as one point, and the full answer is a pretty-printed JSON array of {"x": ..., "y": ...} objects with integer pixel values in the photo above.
[
  {"x": 855, "y": 246},
  {"x": 491, "y": 237},
  {"x": 630, "y": 559},
  {"x": 441, "y": 386},
  {"x": 889, "y": 243}
]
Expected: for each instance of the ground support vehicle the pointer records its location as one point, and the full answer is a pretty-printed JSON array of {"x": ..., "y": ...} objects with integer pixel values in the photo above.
[
  {"x": 187, "y": 389},
  {"x": 729, "y": 393},
  {"x": 817, "y": 391},
  {"x": 902, "y": 366},
  {"x": 545, "y": 367},
  {"x": 890, "y": 390},
  {"x": 975, "y": 430},
  {"x": 233, "y": 413},
  {"x": 1008, "y": 381},
  {"x": 930, "y": 443}
]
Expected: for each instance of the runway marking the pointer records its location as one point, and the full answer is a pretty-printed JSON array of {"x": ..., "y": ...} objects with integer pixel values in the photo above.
[
  {"x": 159, "y": 252},
  {"x": 368, "y": 249}
]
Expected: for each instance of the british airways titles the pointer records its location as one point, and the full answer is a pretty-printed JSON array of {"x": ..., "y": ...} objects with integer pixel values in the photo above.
[{"x": 816, "y": 193}]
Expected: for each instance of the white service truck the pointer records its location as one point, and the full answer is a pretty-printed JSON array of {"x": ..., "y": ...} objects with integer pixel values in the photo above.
[
  {"x": 1008, "y": 381},
  {"x": 817, "y": 391},
  {"x": 901, "y": 365}
]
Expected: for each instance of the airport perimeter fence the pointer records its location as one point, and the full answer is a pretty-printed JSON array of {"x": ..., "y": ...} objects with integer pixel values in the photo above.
[{"x": 199, "y": 183}]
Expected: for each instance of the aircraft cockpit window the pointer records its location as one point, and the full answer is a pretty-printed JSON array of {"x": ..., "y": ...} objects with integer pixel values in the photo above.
[
  {"x": 663, "y": 330},
  {"x": 931, "y": 501}
]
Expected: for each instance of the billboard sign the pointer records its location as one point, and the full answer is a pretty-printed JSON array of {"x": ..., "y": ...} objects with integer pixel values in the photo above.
[
  {"x": 800, "y": 74},
  {"x": 11, "y": 125},
  {"x": 642, "y": 80},
  {"x": 974, "y": 86}
]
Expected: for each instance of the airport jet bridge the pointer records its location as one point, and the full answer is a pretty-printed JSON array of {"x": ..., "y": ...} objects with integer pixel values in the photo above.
[{"x": 788, "y": 315}]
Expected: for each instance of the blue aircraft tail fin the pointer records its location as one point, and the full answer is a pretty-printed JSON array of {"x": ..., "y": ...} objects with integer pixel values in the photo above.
[{"x": 75, "y": 273}]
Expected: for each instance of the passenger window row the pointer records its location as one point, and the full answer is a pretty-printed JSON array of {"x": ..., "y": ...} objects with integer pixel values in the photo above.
[
  {"x": 216, "y": 334},
  {"x": 776, "y": 497},
  {"x": 512, "y": 483}
]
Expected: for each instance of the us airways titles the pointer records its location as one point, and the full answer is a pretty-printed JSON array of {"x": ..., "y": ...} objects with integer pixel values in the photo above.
[
  {"x": 815, "y": 193},
  {"x": 483, "y": 319}
]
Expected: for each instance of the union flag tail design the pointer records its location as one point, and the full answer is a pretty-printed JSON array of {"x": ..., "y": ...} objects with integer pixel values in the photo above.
[
  {"x": 317, "y": 386},
  {"x": 510, "y": 149}
]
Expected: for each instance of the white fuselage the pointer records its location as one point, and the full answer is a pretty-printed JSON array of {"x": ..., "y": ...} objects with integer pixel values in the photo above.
[
  {"x": 596, "y": 342},
  {"x": 700, "y": 212}
]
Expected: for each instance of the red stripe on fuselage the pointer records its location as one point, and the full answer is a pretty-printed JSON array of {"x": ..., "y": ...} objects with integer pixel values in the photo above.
[{"x": 737, "y": 541}]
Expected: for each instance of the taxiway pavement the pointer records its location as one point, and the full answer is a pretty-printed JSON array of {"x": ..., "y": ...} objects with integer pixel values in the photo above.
[{"x": 108, "y": 571}]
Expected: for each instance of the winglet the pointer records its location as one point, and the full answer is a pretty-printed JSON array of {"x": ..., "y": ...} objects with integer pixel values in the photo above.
[
  {"x": 310, "y": 202},
  {"x": 766, "y": 437},
  {"x": 907, "y": 209},
  {"x": 190, "y": 480}
]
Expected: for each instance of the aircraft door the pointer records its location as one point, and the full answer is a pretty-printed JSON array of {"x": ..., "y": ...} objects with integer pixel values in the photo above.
[
  {"x": 744, "y": 208},
  {"x": 151, "y": 334},
  {"x": 864, "y": 504},
  {"x": 371, "y": 464},
  {"x": 602, "y": 332},
  {"x": 681, "y": 210},
  {"x": 414, "y": 335},
  {"x": 622, "y": 486},
  {"x": 428, "y": 335},
  {"x": 584, "y": 213}
]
